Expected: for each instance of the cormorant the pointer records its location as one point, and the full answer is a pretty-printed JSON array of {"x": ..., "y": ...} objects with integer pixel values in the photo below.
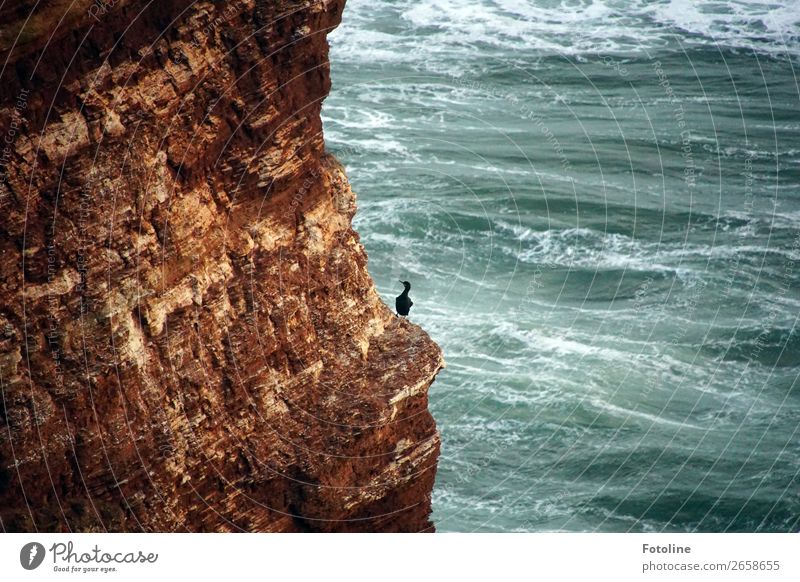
[{"x": 403, "y": 302}]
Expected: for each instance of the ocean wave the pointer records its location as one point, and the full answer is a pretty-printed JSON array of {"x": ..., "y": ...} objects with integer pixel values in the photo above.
[
  {"x": 586, "y": 248},
  {"x": 765, "y": 345},
  {"x": 358, "y": 118},
  {"x": 745, "y": 24},
  {"x": 439, "y": 27}
]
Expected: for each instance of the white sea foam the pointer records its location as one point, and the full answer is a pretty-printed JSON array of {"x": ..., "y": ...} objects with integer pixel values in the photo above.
[
  {"x": 436, "y": 27},
  {"x": 357, "y": 118},
  {"x": 558, "y": 342},
  {"x": 586, "y": 248},
  {"x": 618, "y": 411},
  {"x": 748, "y": 24}
]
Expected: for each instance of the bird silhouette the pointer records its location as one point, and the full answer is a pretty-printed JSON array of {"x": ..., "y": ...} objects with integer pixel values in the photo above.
[{"x": 403, "y": 302}]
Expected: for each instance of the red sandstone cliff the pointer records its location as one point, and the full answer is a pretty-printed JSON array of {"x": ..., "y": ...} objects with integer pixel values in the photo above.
[{"x": 189, "y": 338}]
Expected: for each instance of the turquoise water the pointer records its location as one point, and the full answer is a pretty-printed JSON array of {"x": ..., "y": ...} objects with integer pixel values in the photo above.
[{"x": 597, "y": 205}]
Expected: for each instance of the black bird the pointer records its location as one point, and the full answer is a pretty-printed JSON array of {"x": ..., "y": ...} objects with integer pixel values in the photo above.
[{"x": 403, "y": 302}]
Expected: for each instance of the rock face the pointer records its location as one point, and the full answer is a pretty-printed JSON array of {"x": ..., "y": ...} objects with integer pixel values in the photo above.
[{"x": 189, "y": 338}]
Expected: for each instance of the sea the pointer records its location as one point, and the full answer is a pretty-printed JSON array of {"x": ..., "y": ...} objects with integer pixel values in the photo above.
[{"x": 597, "y": 203}]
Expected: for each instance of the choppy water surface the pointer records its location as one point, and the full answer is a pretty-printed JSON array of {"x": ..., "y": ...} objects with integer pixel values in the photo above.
[{"x": 597, "y": 204}]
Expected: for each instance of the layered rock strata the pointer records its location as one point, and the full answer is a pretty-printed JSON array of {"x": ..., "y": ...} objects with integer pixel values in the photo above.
[{"x": 189, "y": 337}]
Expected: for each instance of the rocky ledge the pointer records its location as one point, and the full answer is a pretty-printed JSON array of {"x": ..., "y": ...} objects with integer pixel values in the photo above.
[{"x": 189, "y": 338}]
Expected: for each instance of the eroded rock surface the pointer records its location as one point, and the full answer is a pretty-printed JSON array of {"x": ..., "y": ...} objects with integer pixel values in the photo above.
[{"x": 189, "y": 338}]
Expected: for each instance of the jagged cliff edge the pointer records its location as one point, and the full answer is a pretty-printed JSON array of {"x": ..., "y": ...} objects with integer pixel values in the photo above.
[{"x": 189, "y": 338}]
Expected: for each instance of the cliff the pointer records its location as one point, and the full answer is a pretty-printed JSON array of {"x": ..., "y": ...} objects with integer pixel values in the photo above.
[{"x": 189, "y": 338}]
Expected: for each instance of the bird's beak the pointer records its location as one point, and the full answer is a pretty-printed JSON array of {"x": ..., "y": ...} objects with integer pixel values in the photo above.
[{"x": 399, "y": 281}]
